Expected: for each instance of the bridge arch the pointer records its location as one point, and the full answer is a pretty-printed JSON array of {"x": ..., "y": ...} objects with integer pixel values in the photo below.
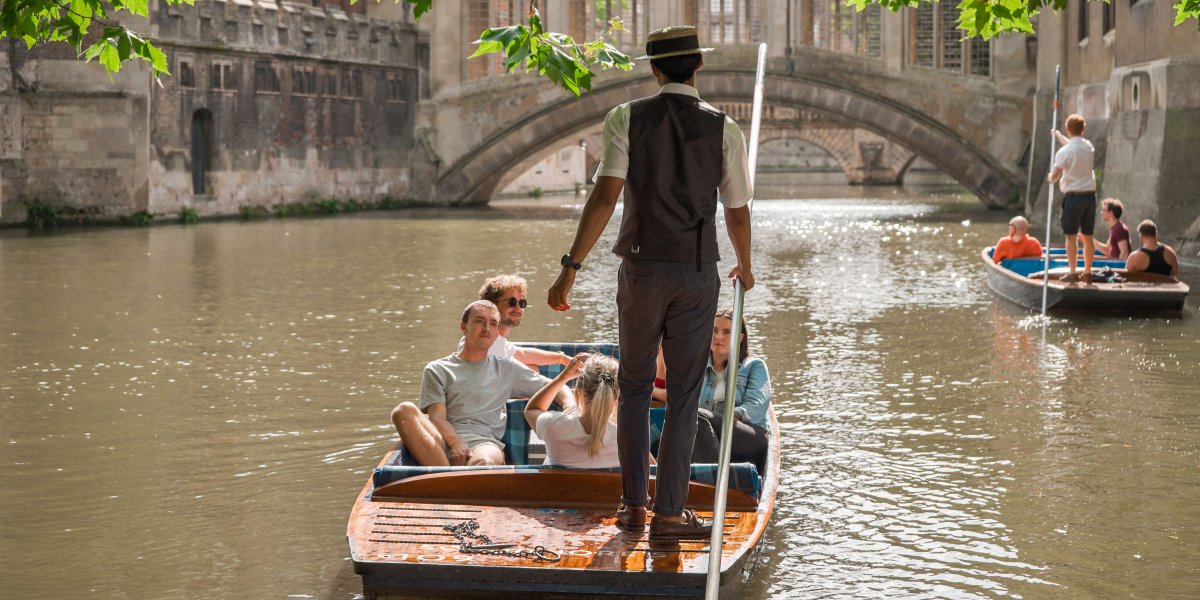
[{"x": 476, "y": 176}]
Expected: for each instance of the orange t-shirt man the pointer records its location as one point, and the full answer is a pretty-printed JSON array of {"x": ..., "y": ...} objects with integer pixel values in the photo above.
[{"x": 1017, "y": 244}]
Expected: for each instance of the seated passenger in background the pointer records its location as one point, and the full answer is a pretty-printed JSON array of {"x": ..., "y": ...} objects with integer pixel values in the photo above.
[
  {"x": 507, "y": 292},
  {"x": 1018, "y": 243},
  {"x": 460, "y": 418},
  {"x": 751, "y": 431},
  {"x": 1153, "y": 257},
  {"x": 1118, "y": 245},
  {"x": 585, "y": 437}
]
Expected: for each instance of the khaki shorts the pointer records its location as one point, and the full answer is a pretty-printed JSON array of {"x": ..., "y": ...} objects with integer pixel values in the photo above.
[{"x": 473, "y": 441}]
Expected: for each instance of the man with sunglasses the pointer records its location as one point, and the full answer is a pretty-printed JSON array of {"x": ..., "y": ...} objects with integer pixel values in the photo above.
[{"x": 507, "y": 292}]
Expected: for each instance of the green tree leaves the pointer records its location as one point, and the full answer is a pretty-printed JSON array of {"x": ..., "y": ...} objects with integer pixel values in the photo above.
[
  {"x": 68, "y": 21},
  {"x": 553, "y": 55}
]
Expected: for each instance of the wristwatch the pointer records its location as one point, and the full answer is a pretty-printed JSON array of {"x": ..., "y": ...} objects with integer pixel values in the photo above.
[{"x": 567, "y": 261}]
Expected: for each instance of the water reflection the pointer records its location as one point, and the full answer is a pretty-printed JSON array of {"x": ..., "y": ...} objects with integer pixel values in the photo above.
[{"x": 191, "y": 411}]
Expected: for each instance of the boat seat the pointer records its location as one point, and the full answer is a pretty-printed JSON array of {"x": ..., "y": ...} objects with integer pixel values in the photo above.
[{"x": 743, "y": 477}]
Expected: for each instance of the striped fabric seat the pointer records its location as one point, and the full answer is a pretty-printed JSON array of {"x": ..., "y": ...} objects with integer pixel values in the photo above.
[{"x": 742, "y": 476}]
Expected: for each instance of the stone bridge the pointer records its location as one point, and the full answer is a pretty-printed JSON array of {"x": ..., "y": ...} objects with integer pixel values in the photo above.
[{"x": 478, "y": 135}]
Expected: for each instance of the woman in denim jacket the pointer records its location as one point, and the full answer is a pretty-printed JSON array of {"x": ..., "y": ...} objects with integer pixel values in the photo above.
[{"x": 751, "y": 431}]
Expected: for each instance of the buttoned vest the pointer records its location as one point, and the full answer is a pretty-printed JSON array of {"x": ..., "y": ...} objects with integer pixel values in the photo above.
[{"x": 675, "y": 167}]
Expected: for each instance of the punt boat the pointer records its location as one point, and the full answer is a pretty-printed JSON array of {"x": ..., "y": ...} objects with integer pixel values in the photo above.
[
  {"x": 1021, "y": 279},
  {"x": 535, "y": 531}
]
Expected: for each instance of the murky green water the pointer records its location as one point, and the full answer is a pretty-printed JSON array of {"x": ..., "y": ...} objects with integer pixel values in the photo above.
[{"x": 191, "y": 411}]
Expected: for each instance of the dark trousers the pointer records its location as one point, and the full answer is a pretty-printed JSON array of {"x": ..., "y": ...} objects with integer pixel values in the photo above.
[
  {"x": 749, "y": 442},
  {"x": 674, "y": 303}
]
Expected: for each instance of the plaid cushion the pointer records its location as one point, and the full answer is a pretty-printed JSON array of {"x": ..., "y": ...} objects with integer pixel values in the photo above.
[
  {"x": 516, "y": 435},
  {"x": 742, "y": 476}
]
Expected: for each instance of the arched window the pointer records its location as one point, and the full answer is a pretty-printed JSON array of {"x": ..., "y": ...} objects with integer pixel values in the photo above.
[{"x": 202, "y": 144}]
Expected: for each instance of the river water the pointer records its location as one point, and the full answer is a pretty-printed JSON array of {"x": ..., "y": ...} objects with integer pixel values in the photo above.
[{"x": 191, "y": 411}]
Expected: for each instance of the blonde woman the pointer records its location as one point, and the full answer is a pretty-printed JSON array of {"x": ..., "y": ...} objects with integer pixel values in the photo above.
[{"x": 585, "y": 437}]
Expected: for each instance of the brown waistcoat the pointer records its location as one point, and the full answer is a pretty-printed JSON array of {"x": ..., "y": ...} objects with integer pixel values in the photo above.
[{"x": 671, "y": 188}]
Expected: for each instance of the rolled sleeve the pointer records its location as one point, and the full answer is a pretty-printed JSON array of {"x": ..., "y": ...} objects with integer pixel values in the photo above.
[
  {"x": 433, "y": 391},
  {"x": 614, "y": 151},
  {"x": 757, "y": 392},
  {"x": 736, "y": 189}
]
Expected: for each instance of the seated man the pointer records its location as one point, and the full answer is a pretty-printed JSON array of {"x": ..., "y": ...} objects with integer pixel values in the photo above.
[
  {"x": 460, "y": 417},
  {"x": 1153, "y": 257},
  {"x": 1118, "y": 245},
  {"x": 507, "y": 292},
  {"x": 1018, "y": 243}
]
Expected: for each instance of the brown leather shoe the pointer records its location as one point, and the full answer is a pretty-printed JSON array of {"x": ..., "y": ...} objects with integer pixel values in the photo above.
[
  {"x": 631, "y": 518},
  {"x": 691, "y": 527}
]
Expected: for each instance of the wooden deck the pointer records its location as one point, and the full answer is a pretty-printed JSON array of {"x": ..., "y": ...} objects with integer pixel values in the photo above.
[{"x": 400, "y": 546}]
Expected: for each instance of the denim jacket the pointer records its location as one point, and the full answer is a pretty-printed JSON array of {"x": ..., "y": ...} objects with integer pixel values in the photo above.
[{"x": 753, "y": 392}]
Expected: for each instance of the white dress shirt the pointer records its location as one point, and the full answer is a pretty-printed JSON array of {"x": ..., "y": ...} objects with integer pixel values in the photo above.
[{"x": 735, "y": 187}]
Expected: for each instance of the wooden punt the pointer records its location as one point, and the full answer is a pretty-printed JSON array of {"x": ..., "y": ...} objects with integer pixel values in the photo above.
[
  {"x": 1020, "y": 280},
  {"x": 400, "y": 545}
]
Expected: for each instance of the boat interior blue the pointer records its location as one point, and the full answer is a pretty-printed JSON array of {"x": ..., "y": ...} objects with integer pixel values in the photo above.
[{"x": 1028, "y": 266}]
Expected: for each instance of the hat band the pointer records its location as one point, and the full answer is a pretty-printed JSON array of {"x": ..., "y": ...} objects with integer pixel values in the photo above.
[{"x": 679, "y": 44}]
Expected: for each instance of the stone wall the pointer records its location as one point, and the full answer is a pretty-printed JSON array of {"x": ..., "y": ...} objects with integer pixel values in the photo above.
[{"x": 286, "y": 102}]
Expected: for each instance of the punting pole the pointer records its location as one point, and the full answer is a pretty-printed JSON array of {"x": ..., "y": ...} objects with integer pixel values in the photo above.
[
  {"x": 1050, "y": 195},
  {"x": 712, "y": 584}
]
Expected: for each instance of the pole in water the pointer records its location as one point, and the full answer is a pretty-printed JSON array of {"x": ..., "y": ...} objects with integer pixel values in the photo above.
[
  {"x": 712, "y": 583},
  {"x": 1050, "y": 195}
]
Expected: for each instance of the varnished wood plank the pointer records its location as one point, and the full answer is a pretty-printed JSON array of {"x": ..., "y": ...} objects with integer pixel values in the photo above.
[{"x": 578, "y": 489}]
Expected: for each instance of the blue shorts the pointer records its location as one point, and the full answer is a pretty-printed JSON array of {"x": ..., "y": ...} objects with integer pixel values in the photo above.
[{"x": 1079, "y": 213}]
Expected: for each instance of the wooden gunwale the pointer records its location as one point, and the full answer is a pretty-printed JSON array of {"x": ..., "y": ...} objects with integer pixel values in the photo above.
[{"x": 1141, "y": 292}]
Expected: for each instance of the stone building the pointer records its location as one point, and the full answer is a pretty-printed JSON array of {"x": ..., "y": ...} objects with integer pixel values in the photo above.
[
  {"x": 1135, "y": 77},
  {"x": 268, "y": 103}
]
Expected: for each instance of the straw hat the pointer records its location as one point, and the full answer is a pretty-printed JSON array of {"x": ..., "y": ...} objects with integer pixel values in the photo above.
[{"x": 676, "y": 40}]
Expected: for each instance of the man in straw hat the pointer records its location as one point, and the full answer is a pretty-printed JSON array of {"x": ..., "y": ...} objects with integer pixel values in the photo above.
[{"x": 671, "y": 153}]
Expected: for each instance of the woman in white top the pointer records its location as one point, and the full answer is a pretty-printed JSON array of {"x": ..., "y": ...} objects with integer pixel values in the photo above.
[{"x": 585, "y": 437}]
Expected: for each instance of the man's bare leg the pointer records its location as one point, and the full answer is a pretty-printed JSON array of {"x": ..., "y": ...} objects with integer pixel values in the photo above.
[
  {"x": 485, "y": 455},
  {"x": 1072, "y": 258},
  {"x": 419, "y": 435},
  {"x": 1089, "y": 248}
]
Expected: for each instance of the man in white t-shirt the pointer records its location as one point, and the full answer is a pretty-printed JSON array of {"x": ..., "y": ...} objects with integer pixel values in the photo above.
[
  {"x": 507, "y": 292},
  {"x": 460, "y": 417},
  {"x": 1073, "y": 169}
]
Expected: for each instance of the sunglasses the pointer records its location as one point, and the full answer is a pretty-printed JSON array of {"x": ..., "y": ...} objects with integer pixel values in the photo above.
[{"x": 513, "y": 303}]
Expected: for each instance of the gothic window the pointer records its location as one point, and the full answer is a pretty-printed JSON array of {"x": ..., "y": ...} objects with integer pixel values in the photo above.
[
  {"x": 935, "y": 41},
  {"x": 304, "y": 81},
  {"x": 352, "y": 86},
  {"x": 396, "y": 88},
  {"x": 922, "y": 35},
  {"x": 1083, "y": 19},
  {"x": 952, "y": 46},
  {"x": 266, "y": 78},
  {"x": 981, "y": 57},
  {"x": 480, "y": 15},
  {"x": 1110, "y": 15},
  {"x": 224, "y": 76},
  {"x": 329, "y": 84},
  {"x": 187, "y": 77}
]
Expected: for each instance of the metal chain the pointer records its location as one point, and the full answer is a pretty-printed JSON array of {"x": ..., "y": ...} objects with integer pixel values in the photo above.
[{"x": 470, "y": 541}]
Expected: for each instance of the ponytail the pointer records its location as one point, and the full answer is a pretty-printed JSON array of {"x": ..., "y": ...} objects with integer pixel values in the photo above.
[{"x": 596, "y": 390}]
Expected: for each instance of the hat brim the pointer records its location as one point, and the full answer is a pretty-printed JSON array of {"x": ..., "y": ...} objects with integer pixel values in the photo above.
[{"x": 675, "y": 53}]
